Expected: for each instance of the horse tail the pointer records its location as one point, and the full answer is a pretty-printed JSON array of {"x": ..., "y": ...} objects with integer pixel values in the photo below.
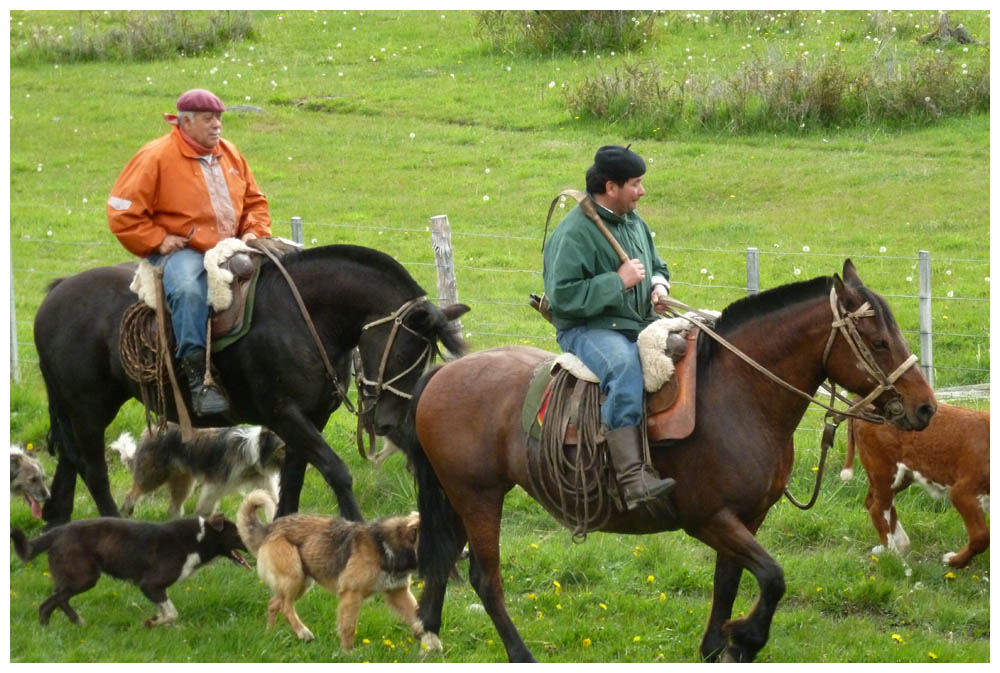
[
  {"x": 251, "y": 530},
  {"x": 440, "y": 543},
  {"x": 59, "y": 437},
  {"x": 28, "y": 549},
  {"x": 848, "y": 472}
]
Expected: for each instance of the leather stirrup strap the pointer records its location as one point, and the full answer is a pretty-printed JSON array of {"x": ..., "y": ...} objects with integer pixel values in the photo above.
[{"x": 183, "y": 418}]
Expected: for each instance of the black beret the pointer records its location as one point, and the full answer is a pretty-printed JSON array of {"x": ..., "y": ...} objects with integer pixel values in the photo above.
[{"x": 619, "y": 163}]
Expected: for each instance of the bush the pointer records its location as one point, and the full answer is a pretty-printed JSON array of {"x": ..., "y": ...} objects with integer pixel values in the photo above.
[
  {"x": 775, "y": 94},
  {"x": 548, "y": 32},
  {"x": 131, "y": 36}
]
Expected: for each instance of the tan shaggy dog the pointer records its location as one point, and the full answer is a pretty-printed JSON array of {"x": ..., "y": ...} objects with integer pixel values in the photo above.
[{"x": 353, "y": 560}]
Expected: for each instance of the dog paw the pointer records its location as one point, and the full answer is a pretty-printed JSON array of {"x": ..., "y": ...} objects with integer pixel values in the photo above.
[
  {"x": 430, "y": 642},
  {"x": 305, "y": 635}
]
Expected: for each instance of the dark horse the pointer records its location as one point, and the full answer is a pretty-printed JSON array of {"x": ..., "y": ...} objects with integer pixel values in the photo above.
[
  {"x": 274, "y": 375},
  {"x": 469, "y": 449}
]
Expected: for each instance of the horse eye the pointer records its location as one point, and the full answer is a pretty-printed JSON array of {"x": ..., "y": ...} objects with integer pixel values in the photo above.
[{"x": 880, "y": 344}]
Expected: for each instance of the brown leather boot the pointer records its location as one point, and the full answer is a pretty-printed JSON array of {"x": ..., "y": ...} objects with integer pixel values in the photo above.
[{"x": 639, "y": 481}]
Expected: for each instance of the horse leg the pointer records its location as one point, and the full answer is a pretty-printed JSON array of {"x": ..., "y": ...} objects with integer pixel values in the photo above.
[
  {"x": 58, "y": 509},
  {"x": 724, "y": 589},
  {"x": 733, "y": 540},
  {"x": 301, "y": 437},
  {"x": 483, "y": 524},
  {"x": 290, "y": 481}
]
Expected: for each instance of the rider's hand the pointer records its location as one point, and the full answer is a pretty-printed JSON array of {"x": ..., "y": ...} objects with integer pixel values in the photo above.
[
  {"x": 659, "y": 299},
  {"x": 172, "y": 243},
  {"x": 631, "y": 273}
]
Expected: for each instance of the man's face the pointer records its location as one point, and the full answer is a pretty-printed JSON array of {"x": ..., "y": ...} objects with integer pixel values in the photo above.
[
  {"x": 205, "y": 128},
  {"x": 623, "y": 199}
]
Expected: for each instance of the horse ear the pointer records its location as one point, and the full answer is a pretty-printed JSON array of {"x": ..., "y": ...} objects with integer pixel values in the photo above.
[
  {"x": 455, "y": 311},
  {"x": 851, "y": 276}
]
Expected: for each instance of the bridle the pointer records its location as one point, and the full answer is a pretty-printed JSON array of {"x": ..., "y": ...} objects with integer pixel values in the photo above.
[
  {"x": 380, "y": 383},
  {"x": 366, "y": 407},
  {"x": 844, "y": 322}
]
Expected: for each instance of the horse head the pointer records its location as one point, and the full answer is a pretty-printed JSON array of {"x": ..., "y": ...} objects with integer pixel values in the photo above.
[
  {"x": 396, "y": 349},
  {"x": 868, "y": 355}
]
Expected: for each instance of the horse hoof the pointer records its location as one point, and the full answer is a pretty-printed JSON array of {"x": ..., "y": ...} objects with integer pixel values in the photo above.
[{"x": 431, "y": 643}]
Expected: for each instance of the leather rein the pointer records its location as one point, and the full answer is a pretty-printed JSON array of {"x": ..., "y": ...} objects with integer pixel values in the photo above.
[
  {"x": 844, "y": 322},
  {"x": 379, "y": 384}
]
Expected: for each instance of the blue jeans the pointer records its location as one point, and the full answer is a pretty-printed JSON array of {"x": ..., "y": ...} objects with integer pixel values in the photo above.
[
  {"x": 186, "y": 286},
  {"x": 614, "y": 358}
]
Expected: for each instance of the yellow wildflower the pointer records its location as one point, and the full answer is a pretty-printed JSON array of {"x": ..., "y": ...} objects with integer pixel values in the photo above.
[
  {"x": 603, "y": 606},
  {"x": 949, "y": 575},
  {"x": 650, "y": 579},
  {"x": 636, "y": 639},
  {"x": 898, "y": 638},
  {"x": 586, "y": 642},
  {"x": 558, "y": 587},
  {"x": 932, "y": 655}
]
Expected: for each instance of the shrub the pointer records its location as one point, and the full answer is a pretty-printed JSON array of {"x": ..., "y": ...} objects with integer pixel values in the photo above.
[
  {"x": 548, "y": 32},
  {"x": 131, "y": 36},
  {"x": 773, "y": 93}
]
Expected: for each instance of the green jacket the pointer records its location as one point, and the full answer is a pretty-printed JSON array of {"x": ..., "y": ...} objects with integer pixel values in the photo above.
[{"x": 581, "y": 273}]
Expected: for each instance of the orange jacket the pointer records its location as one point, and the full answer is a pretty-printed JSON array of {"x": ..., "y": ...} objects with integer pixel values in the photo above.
[{"x": 162, "y": 190}]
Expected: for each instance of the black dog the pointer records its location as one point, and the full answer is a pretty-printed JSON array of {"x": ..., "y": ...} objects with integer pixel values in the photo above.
[{"x": 151, "y": 555}]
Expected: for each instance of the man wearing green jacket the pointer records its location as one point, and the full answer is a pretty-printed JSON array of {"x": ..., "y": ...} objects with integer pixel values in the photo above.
[{"x": 600, "y": 304}]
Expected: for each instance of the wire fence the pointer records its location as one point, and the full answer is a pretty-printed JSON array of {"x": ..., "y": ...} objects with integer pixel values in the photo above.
[{"x": 505, "y": 314}]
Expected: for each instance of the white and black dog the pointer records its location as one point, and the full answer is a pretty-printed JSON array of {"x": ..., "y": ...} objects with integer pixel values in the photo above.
[
  {"x": 222, "y": 459},
  {"x": 27, "y": 478}
]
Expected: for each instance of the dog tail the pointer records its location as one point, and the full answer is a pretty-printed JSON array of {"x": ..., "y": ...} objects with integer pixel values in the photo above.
[
  {"x": 847, "y": 473},
  {"x": 439, "y": 544},
  {"x": 125, "y": 446},
  {"x": 28, "y": 549},
  {"x": 252, "y": 531}
]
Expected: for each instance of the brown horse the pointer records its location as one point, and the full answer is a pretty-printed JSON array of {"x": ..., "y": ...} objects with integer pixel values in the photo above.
[{"x": 469, "y": 449}]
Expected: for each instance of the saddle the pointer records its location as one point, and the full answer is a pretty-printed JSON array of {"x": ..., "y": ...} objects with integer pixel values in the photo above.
[
  {"x": 147, "y": 347},
  {"x": 670, "y": 408}
]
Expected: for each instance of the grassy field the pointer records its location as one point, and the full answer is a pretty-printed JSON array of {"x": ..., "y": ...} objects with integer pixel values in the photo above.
[{"x": 373, "y": 122}]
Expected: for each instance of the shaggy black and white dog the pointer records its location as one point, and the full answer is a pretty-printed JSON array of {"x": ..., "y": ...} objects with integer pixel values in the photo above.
[
  {"x": 27, "y": 478},
  {"x": 222, "y": 459}
]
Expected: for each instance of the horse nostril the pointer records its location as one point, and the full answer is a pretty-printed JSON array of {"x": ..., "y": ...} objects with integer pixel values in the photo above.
[{"x": 925, "y": 412}]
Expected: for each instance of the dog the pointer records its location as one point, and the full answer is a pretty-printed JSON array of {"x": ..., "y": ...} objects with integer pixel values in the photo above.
[
  {"x": 152, "y": 555},
  {"x": 222, "y": 459},
  {"x": 951, "y": 456},
  {"x": 353, "y": 560},
  {"x": 27, "y": 478}
]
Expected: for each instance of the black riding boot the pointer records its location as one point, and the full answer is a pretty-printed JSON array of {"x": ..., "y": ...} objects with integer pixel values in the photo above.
[
  {"x": 639, "y": 481},
  {"x": 205, "y": 400}
]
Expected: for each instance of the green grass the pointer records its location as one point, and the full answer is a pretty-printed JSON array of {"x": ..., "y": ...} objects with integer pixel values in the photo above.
[{"x": 336, "y": 149}]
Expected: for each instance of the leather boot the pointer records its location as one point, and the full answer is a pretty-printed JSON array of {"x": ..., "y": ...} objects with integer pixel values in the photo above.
[
  {"x": 639, "y": 481},
  {"x": 205, "y": 400}
]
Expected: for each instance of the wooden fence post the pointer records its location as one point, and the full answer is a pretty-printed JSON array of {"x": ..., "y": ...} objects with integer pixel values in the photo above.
[
  {"x": 753, "y": 271},
  {"x": 297, "y": 230},
  {"x": 444, "y": 258},
  {"x": 926, "y": 335}
]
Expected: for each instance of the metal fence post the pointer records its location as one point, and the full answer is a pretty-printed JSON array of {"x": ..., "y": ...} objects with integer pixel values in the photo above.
[
  {"x": 297, "y": 230},
  {"x": 753, "y": 271},
  {"x": 926, "y": 335}
]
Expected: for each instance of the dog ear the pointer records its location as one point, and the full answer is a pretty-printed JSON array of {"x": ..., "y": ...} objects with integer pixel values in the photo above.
[
  {"x": 413, "y": 527},
  {"x": 217, "y": 521}
]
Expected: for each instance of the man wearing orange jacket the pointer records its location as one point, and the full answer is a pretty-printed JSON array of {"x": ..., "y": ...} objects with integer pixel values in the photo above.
[{"x": 177, "y": 198}]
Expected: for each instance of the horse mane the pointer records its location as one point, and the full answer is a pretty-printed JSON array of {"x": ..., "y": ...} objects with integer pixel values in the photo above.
[
  {"x": 369, "y": 257},
  {"x": 753, "y": 306}
]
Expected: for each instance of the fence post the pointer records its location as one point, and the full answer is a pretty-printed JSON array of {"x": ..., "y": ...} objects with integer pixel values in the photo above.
[
  {"x": 15, "y": 370},
  {"x": 297, "y": 230},
  {"x": 444, "y": 258},
  {"x": 753, "y": 271},
  {"x": 926, "y": 335}
]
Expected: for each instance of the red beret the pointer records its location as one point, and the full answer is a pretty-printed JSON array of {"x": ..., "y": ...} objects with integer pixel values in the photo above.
[{"x": 199, "y": 100}]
